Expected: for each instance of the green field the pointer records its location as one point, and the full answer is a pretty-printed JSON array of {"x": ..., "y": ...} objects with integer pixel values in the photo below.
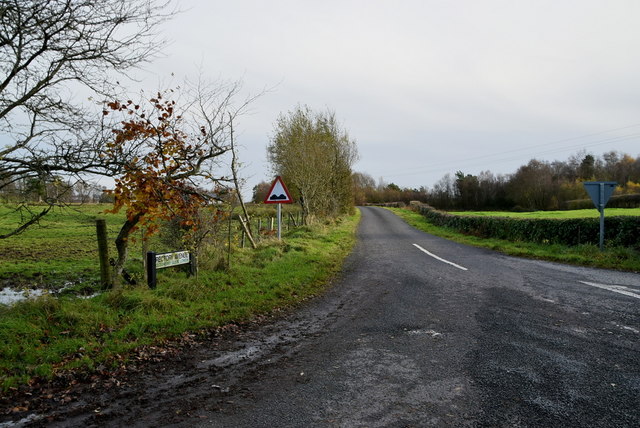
[
  {"x": 62, "y": 249},
  {"x": 554, "y": 214}
]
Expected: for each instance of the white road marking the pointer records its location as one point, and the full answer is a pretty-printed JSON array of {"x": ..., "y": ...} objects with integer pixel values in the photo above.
[
  {"x": 439, "y": 258},
  {"x": 615, "y": 288}
]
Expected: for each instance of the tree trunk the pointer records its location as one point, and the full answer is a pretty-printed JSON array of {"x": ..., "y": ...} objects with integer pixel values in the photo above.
[
  {"x": 246, "y": 221},
  {"x": 122, "y": 246}
]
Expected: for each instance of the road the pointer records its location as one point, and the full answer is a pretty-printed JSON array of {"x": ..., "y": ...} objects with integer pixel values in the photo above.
[{"x": 418, "y": 331}]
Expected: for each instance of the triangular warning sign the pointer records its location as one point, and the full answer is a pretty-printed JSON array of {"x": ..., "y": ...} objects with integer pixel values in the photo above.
[{"x": 278, "y": 193}]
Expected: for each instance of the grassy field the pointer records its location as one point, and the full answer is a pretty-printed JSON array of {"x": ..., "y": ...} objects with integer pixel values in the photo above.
[
  {"x": 584, "y": 255},
  {"x": 44, "y": 336},
  {"x": 590, "y": 213},
  {"x": 59, "y": 250},
  {"x": 62, "y": 249}
]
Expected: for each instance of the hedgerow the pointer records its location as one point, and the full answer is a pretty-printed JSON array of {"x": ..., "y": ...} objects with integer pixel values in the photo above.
[
  {"x": 621, "y": 231},
  {"x": 616, "y": 201}
]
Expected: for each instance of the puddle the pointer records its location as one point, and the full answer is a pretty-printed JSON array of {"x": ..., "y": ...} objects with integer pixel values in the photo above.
[
  {"x": 22, "y": 422},
  {"x": 431, "y": 333},
  {"x": 626, "y": 327},
  {"x": 9, "y": 296}
]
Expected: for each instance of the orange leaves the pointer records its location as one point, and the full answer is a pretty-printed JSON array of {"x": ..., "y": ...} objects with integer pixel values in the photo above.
[
  {"x": 158, "y": 161},
  {"x": 114, "y": 105}
]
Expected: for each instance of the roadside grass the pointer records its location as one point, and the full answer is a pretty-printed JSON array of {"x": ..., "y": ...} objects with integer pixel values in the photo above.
[
  {"x": 588, "y": 213},
  {"x": 46, "y": 336},
  {"x": 584, "y": 255}
]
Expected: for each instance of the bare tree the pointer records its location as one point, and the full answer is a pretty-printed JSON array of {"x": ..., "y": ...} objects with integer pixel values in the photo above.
[
  {"x": 245, "y": 220},
  {"x": 314, "y": 155},
  {"x": 49, "y": 49}
]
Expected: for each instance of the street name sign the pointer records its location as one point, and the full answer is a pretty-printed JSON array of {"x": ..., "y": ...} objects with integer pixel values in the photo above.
[
  {"x": 172, "y": 259},
  {"x": 157, "y": 261}
]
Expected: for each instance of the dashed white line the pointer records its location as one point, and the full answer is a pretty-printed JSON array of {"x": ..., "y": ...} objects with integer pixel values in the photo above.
[
  {"x": 615, "y": 288},
  {"x": 439, "y": 258}
]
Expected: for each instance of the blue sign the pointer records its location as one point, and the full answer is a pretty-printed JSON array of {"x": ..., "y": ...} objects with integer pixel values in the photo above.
[{"x": 600, "y": 192}]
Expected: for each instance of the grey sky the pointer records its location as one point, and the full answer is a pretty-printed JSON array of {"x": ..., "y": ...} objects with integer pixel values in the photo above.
[{"x": 425, "y": 87}]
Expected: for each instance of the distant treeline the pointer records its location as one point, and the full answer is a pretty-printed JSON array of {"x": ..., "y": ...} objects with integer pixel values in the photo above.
[
  {"x": 538, "y": 185},
  {"x": 52, "y": 188}
]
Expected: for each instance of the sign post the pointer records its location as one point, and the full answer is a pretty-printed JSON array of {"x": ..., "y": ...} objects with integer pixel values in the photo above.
[
  {"x": 157, "y": 261},
  {"x": 278, "y": 194},
  {"x": 600, "y": 192}
]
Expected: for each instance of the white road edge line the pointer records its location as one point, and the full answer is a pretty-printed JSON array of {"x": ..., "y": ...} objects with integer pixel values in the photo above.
[
  {"x": 615, "y": 288},
  {"x": 439, "y": 258}
]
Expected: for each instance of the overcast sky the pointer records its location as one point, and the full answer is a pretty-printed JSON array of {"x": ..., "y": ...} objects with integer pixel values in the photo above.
[{"x": 425, "y": 87}]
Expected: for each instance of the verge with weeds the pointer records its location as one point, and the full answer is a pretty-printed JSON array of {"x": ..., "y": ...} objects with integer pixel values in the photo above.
[
  {"x": 620, "y": 258},
  {"x": 47, "y": 335}
]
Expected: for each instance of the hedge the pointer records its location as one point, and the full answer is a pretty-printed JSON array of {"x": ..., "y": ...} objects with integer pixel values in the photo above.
[
  {"x": 616, "y": 201},
  {"x": 619, "y": 230}
]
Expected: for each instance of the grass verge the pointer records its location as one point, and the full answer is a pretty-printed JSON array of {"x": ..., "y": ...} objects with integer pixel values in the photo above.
[
  {"x": 583, "y": 255},
  {"x": 42, "y": 337}
]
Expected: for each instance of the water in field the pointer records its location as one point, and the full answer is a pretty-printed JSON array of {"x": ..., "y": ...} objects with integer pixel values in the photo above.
[{"x": 9, "y": 296}]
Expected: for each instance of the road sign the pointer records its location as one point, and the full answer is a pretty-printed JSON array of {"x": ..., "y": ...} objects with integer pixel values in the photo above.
[
  {"x": 157, "y": 261},
  {"x": 278, "y": 194},
  {"x": 172, "y": 259},
  {"x": 600, "y": 192}
]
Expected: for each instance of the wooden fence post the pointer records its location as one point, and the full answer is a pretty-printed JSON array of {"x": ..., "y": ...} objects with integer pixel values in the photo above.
[{"x": 103, "y": 254}]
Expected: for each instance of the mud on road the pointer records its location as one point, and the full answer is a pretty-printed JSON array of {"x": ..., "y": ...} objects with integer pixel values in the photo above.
[{"x": 171, "y": 383}]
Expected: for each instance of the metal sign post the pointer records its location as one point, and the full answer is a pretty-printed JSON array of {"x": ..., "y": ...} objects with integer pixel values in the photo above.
[
  {"x": 278, "y": 194},
  {"x": 600, "y": 192},
  {"x": 279, "y": 221}
]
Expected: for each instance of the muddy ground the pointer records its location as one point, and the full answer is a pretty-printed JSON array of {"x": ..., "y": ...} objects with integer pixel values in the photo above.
[
  {"x": 155, "y": 378},
  {"x": 168, "y": 384}
]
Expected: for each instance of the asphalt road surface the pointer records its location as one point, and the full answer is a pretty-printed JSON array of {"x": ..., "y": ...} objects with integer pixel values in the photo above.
[{"x": 419, "y": 331}]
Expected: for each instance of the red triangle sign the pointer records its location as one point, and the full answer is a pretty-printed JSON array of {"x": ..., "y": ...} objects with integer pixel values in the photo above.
[{"x": 278, "y": 194}]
